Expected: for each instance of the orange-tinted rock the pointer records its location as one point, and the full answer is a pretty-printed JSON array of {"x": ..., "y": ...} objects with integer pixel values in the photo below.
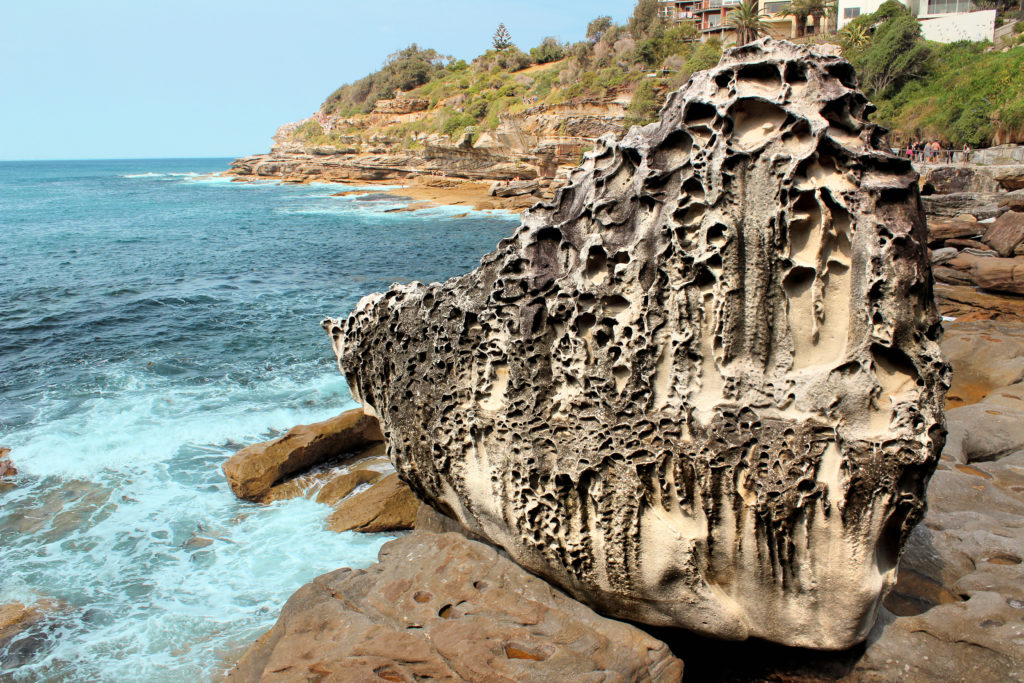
[
  {"x": 388, "y": 505},
  {"x": 336, "y": 489},
  {"x": 310, "y": 484},
  {"x": 253, "y": 470},
  {"x": 441, "y": 607},
  {"x": 1005, "y": 233},
  {"x": 999, "y": 274}
]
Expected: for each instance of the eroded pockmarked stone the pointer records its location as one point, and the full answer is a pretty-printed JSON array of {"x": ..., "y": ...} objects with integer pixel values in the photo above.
[{"x": 701, "y": 388}]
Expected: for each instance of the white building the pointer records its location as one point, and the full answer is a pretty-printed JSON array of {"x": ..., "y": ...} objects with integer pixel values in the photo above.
[{"x": 944, "y": 21}]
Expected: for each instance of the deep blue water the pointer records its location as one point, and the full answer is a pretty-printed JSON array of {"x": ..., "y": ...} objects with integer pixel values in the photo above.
[{"x": 152, "y": 321}]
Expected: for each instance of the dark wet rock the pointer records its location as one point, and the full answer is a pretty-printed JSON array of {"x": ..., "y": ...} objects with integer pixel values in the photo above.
[
  {"x": 684, "y": 404},
  {"x": 442, "y": 607}
]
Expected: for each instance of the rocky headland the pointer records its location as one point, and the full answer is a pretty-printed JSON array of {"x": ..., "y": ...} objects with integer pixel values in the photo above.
[{"x": 696, "y": 416}]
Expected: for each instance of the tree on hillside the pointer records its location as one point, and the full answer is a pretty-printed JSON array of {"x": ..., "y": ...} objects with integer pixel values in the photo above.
[
  {"x": 895, "y": 54},
  {"x": 645, "y": 21},
  {"x": 748, "y": 22},
  {"x": 597, "y": 28},
  {"x": 549, "y": 50},
  {"x": 501, "y": 40}
]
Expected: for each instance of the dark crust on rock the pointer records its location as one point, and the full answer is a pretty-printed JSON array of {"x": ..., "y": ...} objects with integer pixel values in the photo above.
[{"x": 702, "y": 387}]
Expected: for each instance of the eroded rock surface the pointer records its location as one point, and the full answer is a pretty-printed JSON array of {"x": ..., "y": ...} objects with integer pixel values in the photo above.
[
  {"x": 442, "y": 607},
  {"x": 703, "y": 387}
]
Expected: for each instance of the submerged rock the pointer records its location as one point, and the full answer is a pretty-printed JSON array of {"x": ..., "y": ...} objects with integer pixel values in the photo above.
[
  {"x": 442, "y": 607},
  {"x": 703, "y": 387}
]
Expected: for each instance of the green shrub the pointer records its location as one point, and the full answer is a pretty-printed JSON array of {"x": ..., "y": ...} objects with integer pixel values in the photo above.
[
  {"x": 643, "y": 108},
  {"x": 549, "y": 50}
]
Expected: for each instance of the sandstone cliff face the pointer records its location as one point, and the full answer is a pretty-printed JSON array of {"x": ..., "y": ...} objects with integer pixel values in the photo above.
[
  {"x": 701, "y": 388},
  {"x": 527, "y": 144}
]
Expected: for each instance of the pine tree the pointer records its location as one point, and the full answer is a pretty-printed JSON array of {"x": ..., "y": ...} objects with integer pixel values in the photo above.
[{"x": 502, "y": 40}]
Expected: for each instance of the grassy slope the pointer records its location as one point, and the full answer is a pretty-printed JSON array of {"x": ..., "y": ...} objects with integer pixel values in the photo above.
[{"x": 968, "y": 96}]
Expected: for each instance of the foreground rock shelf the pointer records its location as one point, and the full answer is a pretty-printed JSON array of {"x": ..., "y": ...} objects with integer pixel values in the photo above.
[
  {"x": 442, "y": 607},
  {"x": 700, "y": 389}
]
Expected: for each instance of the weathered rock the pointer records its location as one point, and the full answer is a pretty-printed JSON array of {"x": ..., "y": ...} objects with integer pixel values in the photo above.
[
  {"x": 401, "y": 105},
  {"x": 1005, "y": 233},
  {"x": 977, "y": 374},
  {"x": 254, "y": 469},
  {"x": 7, "y": 468},
  {"x": 514, "y": 188},
  {"x": 442, "y": 607},
  {"x": 388, "y": 505},
  {"x": 15, "y": 618},
  {"x": 970, "y": 303},
  {"x": 339, "y": 487},
  {"x": 1013, "y": 201},
  {"x": 685, "y": 403},
  {"x": 999, "y": 274},
  {"x": 332, "y": 476},
  {"x": 941, "y": 229},
  {"x": 979, "y": 205},
  {"x": 969, "y": 244}
]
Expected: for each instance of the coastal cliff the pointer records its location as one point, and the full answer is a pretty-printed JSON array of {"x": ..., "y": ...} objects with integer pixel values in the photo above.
[{"x": 534, "y": 143}]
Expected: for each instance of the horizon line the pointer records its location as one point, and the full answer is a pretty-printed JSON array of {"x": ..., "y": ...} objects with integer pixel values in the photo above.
[{"x": 159, "y": 158}]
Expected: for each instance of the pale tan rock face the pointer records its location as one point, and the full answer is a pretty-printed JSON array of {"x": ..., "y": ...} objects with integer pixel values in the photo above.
[{"x": 703, "y": 387}]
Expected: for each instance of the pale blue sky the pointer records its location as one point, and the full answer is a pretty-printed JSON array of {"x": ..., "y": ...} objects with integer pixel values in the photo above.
[{"x": 116, "y": 79}]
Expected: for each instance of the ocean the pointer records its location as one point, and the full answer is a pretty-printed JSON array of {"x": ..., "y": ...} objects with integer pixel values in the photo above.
[{"x": 154, "y": 320}]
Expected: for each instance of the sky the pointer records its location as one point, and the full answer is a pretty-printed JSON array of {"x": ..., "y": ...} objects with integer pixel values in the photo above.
[{"x": 106, "y": 79}]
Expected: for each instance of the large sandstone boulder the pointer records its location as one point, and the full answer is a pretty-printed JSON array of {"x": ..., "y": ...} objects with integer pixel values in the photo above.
[
  {"x": 252, "y": 471},
  {"x": 703, "y": 387},
  {"x": 442, "y": 607}
]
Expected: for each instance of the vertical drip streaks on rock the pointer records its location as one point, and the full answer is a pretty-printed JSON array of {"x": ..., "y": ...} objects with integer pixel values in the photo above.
[{"x": 698, "y": 388}]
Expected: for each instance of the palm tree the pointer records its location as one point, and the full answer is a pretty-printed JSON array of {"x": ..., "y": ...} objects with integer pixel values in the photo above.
[
  {"x": 818, "y": 10},
  {"x": 748, "y": 22},
  {"x": 798, "y": 9}
]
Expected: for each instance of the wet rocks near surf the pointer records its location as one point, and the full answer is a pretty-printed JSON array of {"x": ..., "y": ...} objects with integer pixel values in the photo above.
[
  {"x": 682, "y": 403},
  {"x": 339, "y": 462},
  {"x": 443, "y": 607},
  {"x": 7, "y": 468}
]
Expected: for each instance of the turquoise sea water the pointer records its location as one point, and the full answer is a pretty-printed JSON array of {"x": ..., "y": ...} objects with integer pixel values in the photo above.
[{"x": 152, "y": 321}]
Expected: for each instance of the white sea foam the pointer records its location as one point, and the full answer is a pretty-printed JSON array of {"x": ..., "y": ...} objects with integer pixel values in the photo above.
[
  {"x": 162, "y": 573},
  {"x": 143, "y": 175}
]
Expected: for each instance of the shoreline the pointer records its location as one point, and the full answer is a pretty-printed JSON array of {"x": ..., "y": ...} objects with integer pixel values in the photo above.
[{"x": 426, "y": 191}]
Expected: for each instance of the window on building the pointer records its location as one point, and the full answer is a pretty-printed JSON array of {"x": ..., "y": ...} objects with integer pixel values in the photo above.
[
  {"x": 714, "y": 20},
  {"x": 949, "y": 6},
  {"x": 775, "y": 7},
  {"x": 851, "y": 12}
]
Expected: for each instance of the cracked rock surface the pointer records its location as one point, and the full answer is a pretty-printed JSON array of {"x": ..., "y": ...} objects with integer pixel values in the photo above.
[{"x": 702, "y": 387}]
